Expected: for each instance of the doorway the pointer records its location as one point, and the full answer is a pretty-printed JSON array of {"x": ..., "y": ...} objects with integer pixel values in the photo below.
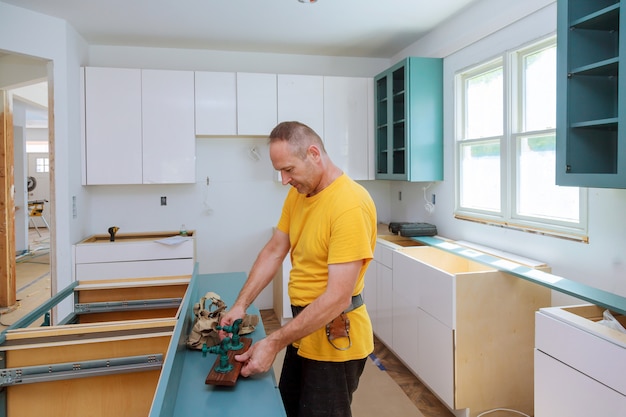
[{"x": 25, "y": 252}]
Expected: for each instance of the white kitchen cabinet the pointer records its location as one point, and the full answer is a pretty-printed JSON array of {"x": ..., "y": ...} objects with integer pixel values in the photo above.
[
  {"x": 579, "y": 363},
  {"x": 134, "y": 255},
  {"x": 168, "y": 139},
  {"x": 139, "y": 126},
  {"x": 405, "y": 310},
  {"x": 256, "y": 104},
  {"x": 301, "y": 98},
  {"x": 235, "y": 104},
  {"x": 474, "y": 329},
  {"x": 370, "y": 292},
  {"x": 216, "y": 103},
  {"x": 383, "y": 326},
  {"x": 113, "y": 149},
  {"x": 348, "y": 125}
]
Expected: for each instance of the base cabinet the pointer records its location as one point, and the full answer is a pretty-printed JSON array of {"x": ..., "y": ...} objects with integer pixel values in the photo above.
[
  {"x": 383, "y": 323},
  {"x": 370, "y": 292},
  {"x": 133, "y": 255},
  {"x": 579, "y": 363},
  {"x": 457, "y": 324}
]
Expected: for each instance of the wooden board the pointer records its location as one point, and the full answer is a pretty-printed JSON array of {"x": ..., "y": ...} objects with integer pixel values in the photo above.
[{"x": 228, "y": 379}]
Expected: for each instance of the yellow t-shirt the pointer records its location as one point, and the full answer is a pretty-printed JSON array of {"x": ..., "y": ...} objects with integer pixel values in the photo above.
[{"x": 337, "y": 225}]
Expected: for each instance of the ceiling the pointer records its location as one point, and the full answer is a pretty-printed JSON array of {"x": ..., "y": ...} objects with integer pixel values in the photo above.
[{"x": 352, "y": 28}]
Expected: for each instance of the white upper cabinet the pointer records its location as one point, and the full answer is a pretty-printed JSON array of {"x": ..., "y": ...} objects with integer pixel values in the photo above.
[
  {"x": 216, "y": 103},
  {"x": 169, "y": 143},
  {"x": 348, "y": 125},
  {"x": 113, "y": 126},
  {"x": 256, "y": 104},
  {"x": 301, "y": 98},
  {"x": 235, "y": 104},
  {"x": 139, "y": 126}
]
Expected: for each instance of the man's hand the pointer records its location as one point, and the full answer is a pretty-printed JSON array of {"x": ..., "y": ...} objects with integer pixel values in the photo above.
[
  {"x": 259, "y": 358},
  {"x": 229, "y": 317}
]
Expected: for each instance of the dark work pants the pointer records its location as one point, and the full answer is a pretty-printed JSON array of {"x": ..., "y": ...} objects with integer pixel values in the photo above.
[{"x": 318, "y": 389}]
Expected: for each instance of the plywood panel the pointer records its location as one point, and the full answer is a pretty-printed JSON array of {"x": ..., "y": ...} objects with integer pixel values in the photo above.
[
  {"x": 113, "y": 395},
  {"x": 136, "y": 293},
  {"x": 495, "y": 341}
]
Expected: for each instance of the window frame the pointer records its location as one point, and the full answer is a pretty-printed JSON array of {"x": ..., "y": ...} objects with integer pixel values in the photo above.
[{"x": 511, "y": 61}]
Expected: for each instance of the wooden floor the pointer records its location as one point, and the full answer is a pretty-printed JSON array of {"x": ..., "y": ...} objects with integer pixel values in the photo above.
[
  {"x": 32, "y": 280},
  {"x": 423, "y": 399}
]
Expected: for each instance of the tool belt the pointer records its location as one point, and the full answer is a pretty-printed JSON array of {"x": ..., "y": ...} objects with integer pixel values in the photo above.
[{"x": 339, "y": 327}]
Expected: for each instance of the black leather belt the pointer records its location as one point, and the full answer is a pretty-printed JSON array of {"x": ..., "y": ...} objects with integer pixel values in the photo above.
[{"x": 357, "y": 301}]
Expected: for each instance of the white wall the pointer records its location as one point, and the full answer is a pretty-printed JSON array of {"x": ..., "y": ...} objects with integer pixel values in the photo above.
[
  {"x": 61, "y": 51},
  {"x": 602, "y": 262}
]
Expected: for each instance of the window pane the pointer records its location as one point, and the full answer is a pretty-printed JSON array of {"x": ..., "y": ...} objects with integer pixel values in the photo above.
[
  {"x": 480, "y": 176},
  {"x": 42, "y": 165},
  {"x": 540, "y": 90},
  {"x": 484, "y": 113},
  {"x": 538, "y": 195}
]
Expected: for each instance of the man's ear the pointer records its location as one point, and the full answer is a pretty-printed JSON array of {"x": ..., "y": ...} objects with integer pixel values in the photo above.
[{"x": 314, "y": 151}]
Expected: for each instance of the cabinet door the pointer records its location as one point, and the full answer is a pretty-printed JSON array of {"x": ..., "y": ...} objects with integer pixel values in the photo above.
[
  {"x": 216, "y": 103},
  {"x": 370, "y": 293},
  {"x": 436, "y": 294},
  {"x": 347, "y": 124},
  {"x": 384, "y": 254},
  {"x": 405, "y": 310},
  {"x": 113, "y": 149},
  {"x": 256, "y": 104},
  {"x": 169, "y": 145},
  {"x": 435, "y": 356},
  {"x": 385, "y": 300},
  {"x": 563, "y": 391},
  {"x": 301, "y": 98}
]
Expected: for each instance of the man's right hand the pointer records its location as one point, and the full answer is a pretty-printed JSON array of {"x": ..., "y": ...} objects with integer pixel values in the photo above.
[{"x": 229, "y": 317}]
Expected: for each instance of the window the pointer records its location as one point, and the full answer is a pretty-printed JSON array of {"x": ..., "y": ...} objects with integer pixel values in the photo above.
[
  {"x": 42, "y": 165},
  {"x": 505, "y": 145}
]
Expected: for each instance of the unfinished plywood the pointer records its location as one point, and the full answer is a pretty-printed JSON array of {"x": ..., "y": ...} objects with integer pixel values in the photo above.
[
  {"x": 7, "y": 203},
  {"x": 495, "y": 341},
  {"x": 99, "y": 396}
]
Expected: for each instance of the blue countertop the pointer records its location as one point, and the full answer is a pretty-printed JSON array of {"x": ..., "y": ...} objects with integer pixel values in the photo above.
[
  {"x": 182, "y": 392},
  {"x": 613, "y": 302}
]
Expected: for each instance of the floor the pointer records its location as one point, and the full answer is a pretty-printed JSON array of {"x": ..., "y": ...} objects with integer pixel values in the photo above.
[
  {"x": 417, "y": 392},
  {"x": 32, "y": 279},
  {"x": 33, "y": 288}
]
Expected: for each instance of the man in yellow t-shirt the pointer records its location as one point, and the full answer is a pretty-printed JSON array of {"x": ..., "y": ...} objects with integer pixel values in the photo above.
[{"x": 328, "y": 226}]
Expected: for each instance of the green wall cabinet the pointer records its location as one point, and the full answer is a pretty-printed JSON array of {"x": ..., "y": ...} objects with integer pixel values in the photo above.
[
  {"x": 590, "y": 142},
  {"x": 409, "y": 121}
]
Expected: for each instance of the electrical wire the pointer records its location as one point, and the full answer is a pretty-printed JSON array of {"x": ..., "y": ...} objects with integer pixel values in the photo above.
[
  {"x": 502, "y": 409},
  {"x": 429, "y": 207}
]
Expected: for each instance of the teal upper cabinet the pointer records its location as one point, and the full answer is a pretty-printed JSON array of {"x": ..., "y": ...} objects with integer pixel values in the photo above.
[
  {"x": 590, "y": 147},
  {"x": 409, "y": 121}
]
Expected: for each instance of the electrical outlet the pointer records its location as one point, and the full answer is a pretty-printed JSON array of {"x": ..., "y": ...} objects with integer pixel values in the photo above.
[
  {"x": 433, "y": 199},
  {"x": 164, "y": 201}
]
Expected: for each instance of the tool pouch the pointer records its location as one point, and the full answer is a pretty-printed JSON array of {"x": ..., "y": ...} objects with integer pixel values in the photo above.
[{"x": 339, "y": 328}]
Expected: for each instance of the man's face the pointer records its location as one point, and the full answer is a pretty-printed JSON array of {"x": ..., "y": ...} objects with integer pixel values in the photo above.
[{"x": 295, "y": 171}]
